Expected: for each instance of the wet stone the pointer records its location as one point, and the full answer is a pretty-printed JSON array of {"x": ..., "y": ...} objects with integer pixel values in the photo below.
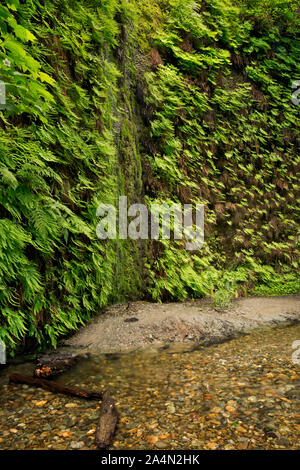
[{"x": 77, "y": 445}]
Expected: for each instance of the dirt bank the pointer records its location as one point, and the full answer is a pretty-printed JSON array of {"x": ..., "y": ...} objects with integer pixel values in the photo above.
[{"x": 136, "y": 325}]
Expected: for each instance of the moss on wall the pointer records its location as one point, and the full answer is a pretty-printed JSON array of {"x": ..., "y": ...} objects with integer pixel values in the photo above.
[
  {"x": 224, "y": 133},
  {"x": 161, "y": 100}
]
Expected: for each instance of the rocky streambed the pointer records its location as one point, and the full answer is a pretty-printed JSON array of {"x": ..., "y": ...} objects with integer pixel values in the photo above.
[{"x": 241, "y": 394}]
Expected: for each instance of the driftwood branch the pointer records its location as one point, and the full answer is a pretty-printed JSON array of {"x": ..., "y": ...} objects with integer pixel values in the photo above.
[
  {"x": 107, "y": 422},
  {"x": 55, "y": 387},
  {"x": 49, "y": 365}
]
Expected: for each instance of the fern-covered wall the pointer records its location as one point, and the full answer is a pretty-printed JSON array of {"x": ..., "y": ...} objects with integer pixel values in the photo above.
[
  {"x": 162, "y": 100},
  {"x": 68, "y": 143},
  {"x": 224, "y": 132}
]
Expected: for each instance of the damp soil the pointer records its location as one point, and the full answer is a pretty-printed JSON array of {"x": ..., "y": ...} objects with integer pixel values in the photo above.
[{"x": 133, "y": 326}]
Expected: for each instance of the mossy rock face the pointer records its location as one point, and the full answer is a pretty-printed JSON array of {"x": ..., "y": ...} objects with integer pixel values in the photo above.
[
  {"x": 69, "y": 146},
  {"x": 162, "y": 101},
  {"x": 225, "y": 133}
]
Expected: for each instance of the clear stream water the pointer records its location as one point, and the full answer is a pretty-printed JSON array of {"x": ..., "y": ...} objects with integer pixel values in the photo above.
[{"x": 243, "y": 394}]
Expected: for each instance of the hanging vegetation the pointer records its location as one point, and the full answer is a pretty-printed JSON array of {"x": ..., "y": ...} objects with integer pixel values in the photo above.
[{"x": 177, "y": 100}]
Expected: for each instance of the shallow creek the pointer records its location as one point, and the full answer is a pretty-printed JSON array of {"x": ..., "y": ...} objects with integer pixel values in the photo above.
[{"x": 243, "y": 394}]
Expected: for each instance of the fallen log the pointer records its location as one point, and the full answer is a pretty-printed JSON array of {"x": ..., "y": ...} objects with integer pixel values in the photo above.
[
  {"x": 107, "y": 422},
  {"x": 50, "y": 365},
  {"x": 55, "y": 387}
]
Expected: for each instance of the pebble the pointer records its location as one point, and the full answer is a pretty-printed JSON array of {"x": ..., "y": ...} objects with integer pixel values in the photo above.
[
  {"x": 77, "y": 445},
  {"x": 252, "y": 399},
  {"x": 161, "y": 445},
  {"x": 171, "y": 409}
]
